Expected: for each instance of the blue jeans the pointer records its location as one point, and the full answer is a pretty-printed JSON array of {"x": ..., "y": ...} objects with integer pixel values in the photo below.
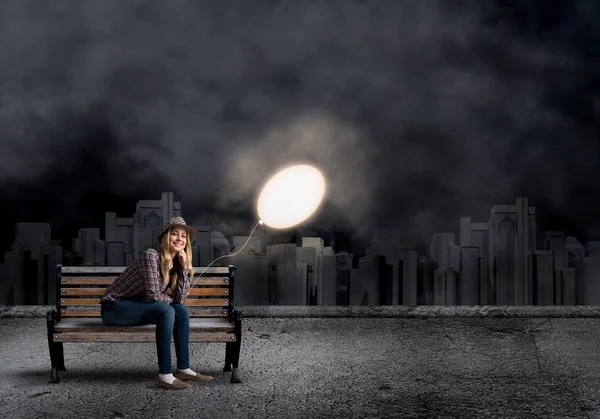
[{"x": 170, "y": 320}]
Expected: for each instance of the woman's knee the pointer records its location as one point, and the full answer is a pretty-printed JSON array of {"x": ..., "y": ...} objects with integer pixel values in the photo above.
[
  {"x": 165, "y": 310},
  {"x": 181, "y": 310}
]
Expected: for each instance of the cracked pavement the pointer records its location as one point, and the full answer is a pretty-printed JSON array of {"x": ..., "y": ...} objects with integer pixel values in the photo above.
[{"x": 323, "y": 368}]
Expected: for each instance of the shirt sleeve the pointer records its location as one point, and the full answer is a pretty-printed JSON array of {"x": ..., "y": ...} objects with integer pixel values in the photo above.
[
  {"x": 183, "y": 286},
  {"x": 149, "y": 265}
]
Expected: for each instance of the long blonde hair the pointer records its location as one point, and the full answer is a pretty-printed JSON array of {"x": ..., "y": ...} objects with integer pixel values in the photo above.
[{"x": 166, "y": 261}]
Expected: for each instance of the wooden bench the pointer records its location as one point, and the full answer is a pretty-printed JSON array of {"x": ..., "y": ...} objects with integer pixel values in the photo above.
[{"x": 77, "y": 315}]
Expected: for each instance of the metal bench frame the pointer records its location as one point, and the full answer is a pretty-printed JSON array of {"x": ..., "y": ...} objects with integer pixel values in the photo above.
[{"x": 234, "y": 316}]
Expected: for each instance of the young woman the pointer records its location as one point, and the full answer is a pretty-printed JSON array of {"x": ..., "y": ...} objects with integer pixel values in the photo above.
[{"x": 153, "y": 290}]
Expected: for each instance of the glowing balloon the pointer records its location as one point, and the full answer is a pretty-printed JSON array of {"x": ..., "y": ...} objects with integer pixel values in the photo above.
[{"x": 291, "y": 196}]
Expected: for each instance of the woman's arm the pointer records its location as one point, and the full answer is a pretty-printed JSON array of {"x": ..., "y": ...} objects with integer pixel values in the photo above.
[
  {"x": 149, "y": 265},
  {"x": 183, "y": 286}
]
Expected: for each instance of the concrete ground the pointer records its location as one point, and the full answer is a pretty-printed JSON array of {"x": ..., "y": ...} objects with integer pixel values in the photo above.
[{"x": 323, "y": 368}]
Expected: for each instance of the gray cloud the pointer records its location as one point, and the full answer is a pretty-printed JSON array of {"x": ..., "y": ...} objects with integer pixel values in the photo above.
[{"x": 418, "y": 113}]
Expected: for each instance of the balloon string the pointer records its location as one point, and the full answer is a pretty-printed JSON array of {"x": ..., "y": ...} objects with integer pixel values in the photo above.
[{"x": 228, "y": 255}]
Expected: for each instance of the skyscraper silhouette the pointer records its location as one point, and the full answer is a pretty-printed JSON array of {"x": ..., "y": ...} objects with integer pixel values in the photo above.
[
  {"x": 511, "y": 242},
  {"x": 574, "y": 255}
]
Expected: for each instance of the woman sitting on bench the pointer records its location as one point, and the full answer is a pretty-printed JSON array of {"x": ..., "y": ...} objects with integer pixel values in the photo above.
[{"x": 153, "y": 290}]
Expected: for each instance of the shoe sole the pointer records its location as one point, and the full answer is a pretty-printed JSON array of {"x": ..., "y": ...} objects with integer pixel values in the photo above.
[
  {"x": 161, "y": 384},
  {"x": 182, "y": 377}
]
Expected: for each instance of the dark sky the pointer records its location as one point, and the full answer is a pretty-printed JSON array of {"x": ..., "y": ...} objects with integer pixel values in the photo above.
[{"x": 417, "y": 112}]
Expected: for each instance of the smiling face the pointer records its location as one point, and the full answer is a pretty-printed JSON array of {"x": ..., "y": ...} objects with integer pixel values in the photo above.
[{"x": 177, "y": 239}]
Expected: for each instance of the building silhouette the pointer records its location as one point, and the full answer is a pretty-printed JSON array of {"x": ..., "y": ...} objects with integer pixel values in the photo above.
[
  {"x": 5, "y": 298},
  {"x": 357, "y": 291},
  {"x": 30, "y": 266},
  {"x": 443, "y": 256},
  {"x": 568, "y": 286},
  {"x": 574, "y": 255},
  {"x": 543, "y": 274},
  {"x": 115, "y": 253},
  {"x": 306, "y": 262},
  {"x": 202, "y": 252},
  {"x": 470, "y": 278},
  {"x": 475, "y": 234},
  {"x": 452, "y": 286},
  {"x": 591, "y": 272},
  {"x": 439, "y": 286},
  {"x": 386, "y": 242},
  {"x": 375, "y": 278},
  {"x": 324, "y": 266},
  {"x": 88, "y": 245},
  {"x": 408, "y": 269},
  {"x": 251, "y": 278},
  {"x": 304, "y": 276},
  {"x": 511, "y": 241},
  {"x": 284, "y": 288},
  {"x": 327, "y": 287},
  {"x": 554, "y": 241},
  {"x": 445, "y": 285},
  {"x": 124, "y": 234},
  {"x": 220, "y": 249},
  {"x": 21, "y": 279},
  {"x": 344, "y": 274},
  {"x": 119, "y": 230},
  {"x": 426, "y": 280}
]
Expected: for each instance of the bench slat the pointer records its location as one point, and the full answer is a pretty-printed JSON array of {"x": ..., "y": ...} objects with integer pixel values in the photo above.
[
  {"x": 206, "y": 292},
  {"x": 205, "y": 302},
  {"x": 82, "y": 292},
  {"x": 195, "y": 312},
  {"x": 65, "y": 280},
  {"x": 97, "y": 326},
  {"x": 79, "y": 313},
  {"x": 98, "y": 280},
  {"x": 104, "y": 270},
  {"x": 79, "y": 302},
  {"x": 137, "y": 337}
]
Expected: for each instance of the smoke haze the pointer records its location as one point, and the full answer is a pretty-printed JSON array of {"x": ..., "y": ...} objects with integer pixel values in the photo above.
[{"x": 417, "y": 112}]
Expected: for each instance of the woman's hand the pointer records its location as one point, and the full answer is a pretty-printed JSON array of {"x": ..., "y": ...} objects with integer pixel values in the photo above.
[{"x": 182, "y": 258}]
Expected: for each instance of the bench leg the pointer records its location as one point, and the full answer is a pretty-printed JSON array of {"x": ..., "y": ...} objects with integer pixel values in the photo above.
[
  {"x": 60, "y": 356},
  {"x": 54, "y": 376},
  {"x": 235, "y": 347},
  {"x": 55, "y": 359},
  {"x": 227, "y": 367}
]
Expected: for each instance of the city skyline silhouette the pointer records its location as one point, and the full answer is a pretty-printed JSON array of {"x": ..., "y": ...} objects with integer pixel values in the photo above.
[{"x": 501, "y": 261}]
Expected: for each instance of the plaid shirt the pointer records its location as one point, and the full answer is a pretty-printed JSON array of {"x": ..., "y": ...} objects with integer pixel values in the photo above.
[{"x": 143, "y": 280}]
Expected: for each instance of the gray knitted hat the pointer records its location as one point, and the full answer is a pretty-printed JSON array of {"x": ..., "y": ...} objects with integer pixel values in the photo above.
[{"x": 178, "y": 222}]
